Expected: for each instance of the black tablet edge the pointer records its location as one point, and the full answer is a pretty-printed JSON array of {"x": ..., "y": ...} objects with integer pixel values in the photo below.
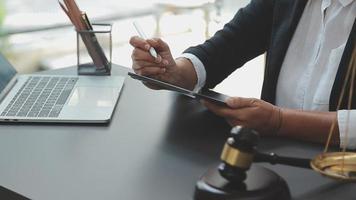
[
  {"x": 200, "y": 95},
  {"x": 162, "y": 84}
]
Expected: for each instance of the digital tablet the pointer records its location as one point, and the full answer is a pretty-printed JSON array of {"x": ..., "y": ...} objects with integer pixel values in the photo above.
[
  {"x": 212, "y": 96},
  {"x": 206, "y": 94}
]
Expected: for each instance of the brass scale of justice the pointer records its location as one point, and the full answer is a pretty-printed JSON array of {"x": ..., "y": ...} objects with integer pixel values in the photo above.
[{"x": 237, "y": 179}]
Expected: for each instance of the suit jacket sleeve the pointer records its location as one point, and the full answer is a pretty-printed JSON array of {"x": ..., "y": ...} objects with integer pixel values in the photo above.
[{"x": 245, "y": 37}]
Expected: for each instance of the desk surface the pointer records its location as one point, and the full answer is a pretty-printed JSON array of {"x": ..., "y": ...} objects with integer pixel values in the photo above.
[{"x": 155, "y": 148}]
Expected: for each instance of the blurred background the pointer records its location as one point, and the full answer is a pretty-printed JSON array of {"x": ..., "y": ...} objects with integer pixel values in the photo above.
[{"x": 36, "y": 35}]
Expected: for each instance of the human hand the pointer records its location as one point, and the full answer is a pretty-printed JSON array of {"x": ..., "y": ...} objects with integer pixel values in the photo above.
[
  {"x": 162, "y": 68},
  {"x": 249, "y": 112}
]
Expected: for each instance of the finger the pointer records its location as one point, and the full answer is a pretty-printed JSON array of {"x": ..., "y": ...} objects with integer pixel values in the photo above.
[
  {"x": 150, "y": 71},
  {"x": 137, "y": 66},
  {"x": 219, "y": 110},
  {"x": 143, "y": 55},
  {"x": 240, "y": 102},
  {"x": 240, "y": 114},
  {"x": 243, "y": 115},
  {"x": 158, "y": 44},
  {"x": 138, "y": 42},
  {"x": 143, "y": 64}
]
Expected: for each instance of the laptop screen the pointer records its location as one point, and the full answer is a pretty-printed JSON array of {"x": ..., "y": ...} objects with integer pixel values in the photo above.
[{"x": 7, "y": 72}]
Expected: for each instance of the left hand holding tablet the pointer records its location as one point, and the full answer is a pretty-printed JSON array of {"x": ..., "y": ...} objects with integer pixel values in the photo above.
[{"x": 249, "y": 112}]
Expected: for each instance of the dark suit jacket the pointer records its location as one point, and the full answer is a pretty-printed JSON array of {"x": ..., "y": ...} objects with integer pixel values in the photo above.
[{"x": 262, "y": 26}]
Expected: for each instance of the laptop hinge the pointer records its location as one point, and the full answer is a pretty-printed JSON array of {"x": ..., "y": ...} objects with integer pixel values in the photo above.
[{"x": 8, "y": 88}]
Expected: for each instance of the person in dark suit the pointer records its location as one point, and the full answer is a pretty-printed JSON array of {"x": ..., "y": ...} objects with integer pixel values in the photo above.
[{"x": 308, "y": 46}]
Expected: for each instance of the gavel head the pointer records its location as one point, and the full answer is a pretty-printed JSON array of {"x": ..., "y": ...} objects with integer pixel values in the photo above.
[{"x": 238, "y": 154}]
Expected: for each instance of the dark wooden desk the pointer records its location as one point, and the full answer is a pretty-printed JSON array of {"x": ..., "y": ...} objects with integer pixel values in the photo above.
[{"x": 155, "y": 148}]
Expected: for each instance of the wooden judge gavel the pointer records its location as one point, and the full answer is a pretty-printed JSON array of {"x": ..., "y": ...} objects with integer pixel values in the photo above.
[{"x": 240, "y": 151}]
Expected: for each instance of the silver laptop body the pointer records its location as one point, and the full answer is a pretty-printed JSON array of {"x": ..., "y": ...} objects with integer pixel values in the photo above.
[{"x": 56, "y": 99}]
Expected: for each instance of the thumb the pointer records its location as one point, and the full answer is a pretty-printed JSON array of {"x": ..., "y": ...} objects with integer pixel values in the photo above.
[
  {"x": 239, "y": 102},
  {"x": 158, "y": 44}
]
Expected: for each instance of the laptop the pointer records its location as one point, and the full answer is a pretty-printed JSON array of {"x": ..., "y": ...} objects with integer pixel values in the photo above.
[{"x": 55, "y": 98}]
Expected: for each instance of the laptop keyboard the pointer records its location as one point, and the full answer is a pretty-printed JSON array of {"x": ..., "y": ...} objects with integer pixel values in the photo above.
[{"x": 40, "y": 97}]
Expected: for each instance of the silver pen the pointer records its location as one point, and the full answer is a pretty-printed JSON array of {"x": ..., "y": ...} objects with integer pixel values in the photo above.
[{"x": 143, "y": 35}]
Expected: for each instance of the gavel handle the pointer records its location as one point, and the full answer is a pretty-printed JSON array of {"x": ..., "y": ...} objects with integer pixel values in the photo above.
[{"x": 273, "y": 159}]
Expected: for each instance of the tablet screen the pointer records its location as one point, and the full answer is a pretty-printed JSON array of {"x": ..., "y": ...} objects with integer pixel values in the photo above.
[
  {"x": 161, "y": 84},
  {"x": 206, "y": 94}
]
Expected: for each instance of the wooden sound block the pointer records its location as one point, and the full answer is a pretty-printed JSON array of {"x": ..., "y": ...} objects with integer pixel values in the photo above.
[{"x": 260, "y": 184}]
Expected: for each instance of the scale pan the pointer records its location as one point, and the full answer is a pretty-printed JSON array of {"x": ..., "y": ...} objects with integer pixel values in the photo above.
[{"x": 337, "y": 165}]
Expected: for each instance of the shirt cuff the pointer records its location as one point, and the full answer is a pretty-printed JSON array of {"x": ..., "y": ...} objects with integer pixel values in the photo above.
[
  {"x": 199, "y": 69},
  {"x": 346, "y": 121}
]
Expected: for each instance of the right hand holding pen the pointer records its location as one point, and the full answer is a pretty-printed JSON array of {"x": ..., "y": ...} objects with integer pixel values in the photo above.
[
  {"x": 178, "y": 72},
  {"x": 143, "y": 63}
]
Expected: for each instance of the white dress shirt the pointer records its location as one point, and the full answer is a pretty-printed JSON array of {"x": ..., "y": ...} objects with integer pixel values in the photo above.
[{"x": 312, "y": 60}]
